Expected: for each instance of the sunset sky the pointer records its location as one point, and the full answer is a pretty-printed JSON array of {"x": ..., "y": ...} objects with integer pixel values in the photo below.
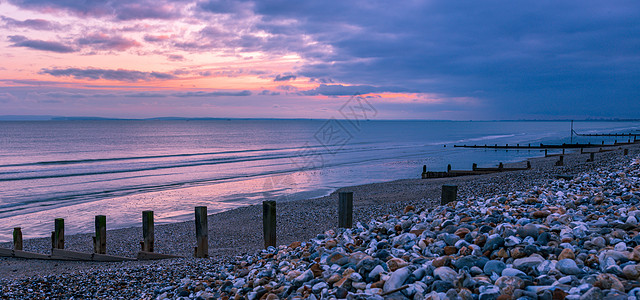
[{"x": 445, "y": 59}]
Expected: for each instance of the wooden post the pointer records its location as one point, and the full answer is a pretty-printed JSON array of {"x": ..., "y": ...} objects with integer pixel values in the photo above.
[
  {"x": 528, "y": 164},
  {"x": 424, "y": 171},
  {"x": 562, "y": 151},
  {"x": 269, "y": 223},
  {"x": 626, "y": 152},
  {"x": 560, "y": 161},
  {"x": 474, "y": 166},
  {"x": 591, "y": 157},
  {"x": 100, "y": 240},
  {"x": 449, "y": 194},
  {"x": 17, "y": 238},
  {"x": 147, "y": 231},
  {"x": 58, "y": 234},
  {"x": 345, "y": 209},
  {"x": 202, "y": 232},
  {"x": 545, "y": 152},
  {"x": 448, "y": 168},
  {"x": 500, "y": 166}
]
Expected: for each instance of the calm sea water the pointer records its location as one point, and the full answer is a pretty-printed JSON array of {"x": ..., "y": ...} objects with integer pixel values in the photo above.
[{"x": 78, "y": 169}]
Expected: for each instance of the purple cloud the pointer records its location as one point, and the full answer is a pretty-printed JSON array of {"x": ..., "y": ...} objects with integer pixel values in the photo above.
[
  {"x": 22, "y": 41},
  {"x": 212, "y": 94},
  {"x": 37, "y": 24},
  {"x": 119, "y": 75},
  {"x": 120, "y": 9},
  {"x": 139, "y": 11},
  {"x": 105, "y": 42},
  {"x": 343, "y": 90},
  {"x": 280, "y": 77}
]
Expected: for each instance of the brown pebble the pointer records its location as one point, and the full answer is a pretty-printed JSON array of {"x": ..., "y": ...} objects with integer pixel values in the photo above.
[
  {"x": 441, "y": 261},
  {"x": 377, "y": 284},
  {"x": 462, "y": 232},
  {"x": 409, "y": 208},
  {"x": 295, "y": 245},
  {"x": 539, "y": 214},
  {"x": 566, "y": 253},
  {"x": 449, "y": 250}
]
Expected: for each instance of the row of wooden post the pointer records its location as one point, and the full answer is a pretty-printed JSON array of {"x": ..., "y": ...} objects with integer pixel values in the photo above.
[{"x": 345, "y": 220}]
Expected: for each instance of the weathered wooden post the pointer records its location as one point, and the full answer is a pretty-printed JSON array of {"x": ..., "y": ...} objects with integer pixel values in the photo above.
[
  {"x": 17, "y": 238},
  {"x": 562, "y": 151},
  {"x": 626, "y": 152},
  {"x": 500, "y": 166},
  {"x": 147, "y": 231},
  {"x": 100, "y": 240},
  {"x": 528, "y": 164},
  {"x": 449, "y": 194},
  {"x": 474, "y": 166},
  {"x": 560, "y": 161},
  {"x": 345, "y": 209},
  {"x": 424, "y": 171},
  {"x": 202, "y": 232},
  {"x": 448, "y": 168},
  {"x": 269, "y": 223},
  {"x": 591, "y": 157},
  {"x": 545, "y": 152},
  {"x": 57, "y": 236}
]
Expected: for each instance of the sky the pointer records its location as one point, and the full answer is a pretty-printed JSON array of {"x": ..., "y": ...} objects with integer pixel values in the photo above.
[{"x": 442, "y": 59}]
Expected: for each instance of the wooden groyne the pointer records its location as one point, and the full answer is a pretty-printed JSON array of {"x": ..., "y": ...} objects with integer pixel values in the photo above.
[
  {"x": 344, "y": 214},
  {"x": 475, "y": 170},
  {"x": 547, "y": 146}
]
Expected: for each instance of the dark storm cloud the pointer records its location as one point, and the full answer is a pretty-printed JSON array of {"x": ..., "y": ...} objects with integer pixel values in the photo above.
[
  {"x": 342, "y": 90},
  {"x": 540, "y": 57},
  {"x": 119, "y": 75},
  {"x": 21, "y": 41}
]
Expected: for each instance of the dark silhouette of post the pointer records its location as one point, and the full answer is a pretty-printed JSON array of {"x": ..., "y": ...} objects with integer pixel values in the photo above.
[
  {"x": 269, "y": 223},
  {"x": 100, "y": 240},
  {"x": 560, "y": 161},
  {"x": 202, "y": 232},
  {"x": 449, "y": 194},
  {"x": 474, "y": 166},
  {"x": 500, "y": 166},
  {"x": 528, "y": 164},
  {"x": 448, "y": 168},
  {"x": 424, "y": 171},
  {"x": 626, "y": 152},
  {"x": 147, "y": 231},
  {"x": 345, "y": 209},
  {"x": 57, "y": 236},
  {"x": 17, "y": 238}
]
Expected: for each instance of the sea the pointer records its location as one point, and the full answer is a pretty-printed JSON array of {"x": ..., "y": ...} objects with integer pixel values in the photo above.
[{"x": 76, "y": 169}]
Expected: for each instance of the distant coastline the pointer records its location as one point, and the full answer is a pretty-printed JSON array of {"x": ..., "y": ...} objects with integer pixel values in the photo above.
[{"x": 91, "y": 118}]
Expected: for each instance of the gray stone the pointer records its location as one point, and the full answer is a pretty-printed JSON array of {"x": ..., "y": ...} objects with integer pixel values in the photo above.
[
  {"x": 512, "y": 272},
  {"x": 528, "y": 230},
  {"x": 397, "y": 279},
  {"x": 494, "y": 266},
  {"x": 528, "y": 262},
  {"x": 445, "y": 274},
  {"x": 593, "y": 293},
  {"x": 568, "y": 266}
]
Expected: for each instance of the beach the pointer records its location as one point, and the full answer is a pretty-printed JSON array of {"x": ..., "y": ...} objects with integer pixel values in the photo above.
[{"x": 239, "y": 231}]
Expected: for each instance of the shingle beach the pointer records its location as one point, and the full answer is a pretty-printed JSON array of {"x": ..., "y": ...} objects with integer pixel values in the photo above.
[{"x": 511, "y": 235}]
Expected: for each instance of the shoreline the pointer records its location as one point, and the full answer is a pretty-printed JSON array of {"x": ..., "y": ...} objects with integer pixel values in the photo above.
[{"x": 239, "y": 230}]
